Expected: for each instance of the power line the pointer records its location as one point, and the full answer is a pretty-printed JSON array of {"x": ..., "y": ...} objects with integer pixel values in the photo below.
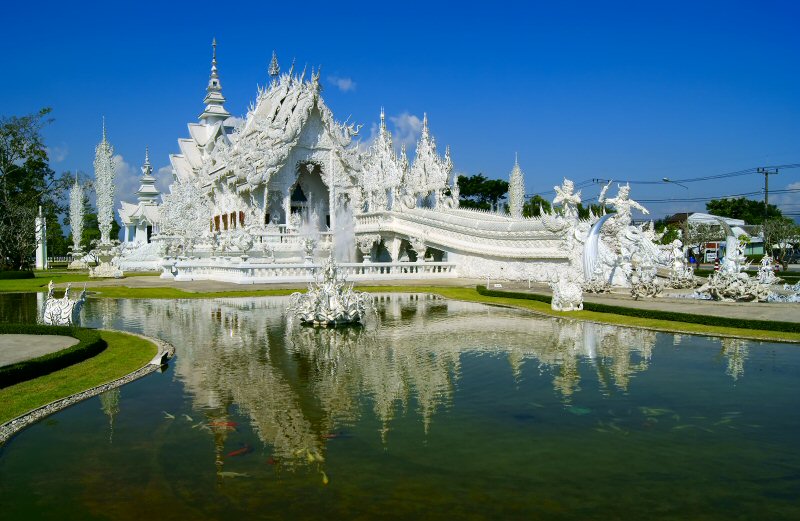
[{"x": 729, "y": 196}]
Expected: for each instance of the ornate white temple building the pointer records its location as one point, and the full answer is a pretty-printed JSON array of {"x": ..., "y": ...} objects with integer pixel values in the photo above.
[
  {"x": 267, "y": 198},
  {"x": 140, "y": 221}
]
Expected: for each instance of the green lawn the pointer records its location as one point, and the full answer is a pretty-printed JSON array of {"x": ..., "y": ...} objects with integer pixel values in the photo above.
[
  {"x": 468, "y": 294},
  {"x": 124, "y": 354},
  {"x": 43, "y": 278}
]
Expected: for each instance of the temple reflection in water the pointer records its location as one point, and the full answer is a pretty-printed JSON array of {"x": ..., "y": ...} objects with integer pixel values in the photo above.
[{"x": 296, "y": 385}]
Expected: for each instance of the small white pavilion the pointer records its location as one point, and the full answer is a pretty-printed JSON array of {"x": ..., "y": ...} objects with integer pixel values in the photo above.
[{"x": 140, "y": 221}]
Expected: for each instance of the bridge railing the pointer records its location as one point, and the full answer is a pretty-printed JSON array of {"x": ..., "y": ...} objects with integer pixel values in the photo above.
[{"x": 261, "y": 273}]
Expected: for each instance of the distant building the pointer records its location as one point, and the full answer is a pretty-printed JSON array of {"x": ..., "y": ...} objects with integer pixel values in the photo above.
[
  {"x": 752, "y": 232},
  {"x": 140, "y": 221}
]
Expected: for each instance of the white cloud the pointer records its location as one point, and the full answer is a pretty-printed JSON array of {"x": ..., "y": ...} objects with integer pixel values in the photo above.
[
  {"x": 57, "y": 154},
  {"x": 165, "y": 178},
  {"x": 407, "y": 129},
  {"x": 343, "y": 84},
  {"x": 788, "y": 203},
  {"x": 364, "y": 145},
  {"x": 126, "y": 181}
]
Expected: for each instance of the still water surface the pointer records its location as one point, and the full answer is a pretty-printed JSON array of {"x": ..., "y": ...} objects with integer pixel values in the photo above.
[{"x": 436, "y": 410}]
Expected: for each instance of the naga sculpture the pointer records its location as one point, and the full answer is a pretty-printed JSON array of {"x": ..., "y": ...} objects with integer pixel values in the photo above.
[{"x": 62, "y": 311}]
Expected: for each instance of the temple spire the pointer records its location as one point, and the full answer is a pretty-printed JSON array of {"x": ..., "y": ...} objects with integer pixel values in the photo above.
[
  {"x": 274, "y": 68},
  {"x": 383, "y": 122},
  {"x": 214, "y": 100},
  {"x": 516, "y": 190},
  {"x": 147, "y": 192}
]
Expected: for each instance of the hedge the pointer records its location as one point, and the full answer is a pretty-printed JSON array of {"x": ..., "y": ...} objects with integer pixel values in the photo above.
[
  {"x": 763, "y": 325},
  {"x": 89, "y": 344},
  {"x": 9, "y": 275}
]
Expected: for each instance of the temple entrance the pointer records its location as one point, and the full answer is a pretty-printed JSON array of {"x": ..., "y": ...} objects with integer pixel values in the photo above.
[{"x": 308, "y": 197}]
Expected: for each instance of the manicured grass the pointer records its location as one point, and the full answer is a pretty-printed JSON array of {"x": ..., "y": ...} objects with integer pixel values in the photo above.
[
  {"x": 125, "y": 292},
  {"x": 40, "y": 282},
  {"x": 43, "y": 278},
  {"x": 467, "y": 294},
  {"x": 124, "y": 354},
  {"x": 89, "y": 344},
  {"x": 471, "y": 295}
]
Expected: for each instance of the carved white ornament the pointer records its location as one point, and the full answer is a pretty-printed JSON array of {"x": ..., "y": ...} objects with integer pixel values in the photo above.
[{"x": 104, "y": 186}]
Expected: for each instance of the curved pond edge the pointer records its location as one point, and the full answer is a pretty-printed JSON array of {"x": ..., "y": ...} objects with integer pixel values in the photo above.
[{"x": 15, "y": 425}]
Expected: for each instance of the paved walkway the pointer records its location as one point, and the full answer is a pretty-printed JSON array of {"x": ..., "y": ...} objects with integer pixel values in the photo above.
[
  {"x": 621, "y": 297},
  {"x": 745, "y": 310},
  {"x": 18, "y": 348}
]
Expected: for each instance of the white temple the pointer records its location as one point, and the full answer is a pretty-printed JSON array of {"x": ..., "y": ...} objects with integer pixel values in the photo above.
[
  {"x": 140, "y": 221},
  {"x": 269, "y": 198}
]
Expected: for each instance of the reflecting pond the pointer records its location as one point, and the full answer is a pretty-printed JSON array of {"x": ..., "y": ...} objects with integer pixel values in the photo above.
[{"x": 434, "y": 409}]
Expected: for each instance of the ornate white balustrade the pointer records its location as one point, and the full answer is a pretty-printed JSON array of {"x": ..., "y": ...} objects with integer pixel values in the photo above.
[
  {"x": 243, "y": 272},
  {"x": 470, "y": 233}
]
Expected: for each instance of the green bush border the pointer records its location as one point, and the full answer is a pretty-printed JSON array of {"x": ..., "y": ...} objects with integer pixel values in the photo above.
[
  {"x": 89, "y": 344},
  {"x": 763, "y": 325},
  {"x": 16, "y": 275}
]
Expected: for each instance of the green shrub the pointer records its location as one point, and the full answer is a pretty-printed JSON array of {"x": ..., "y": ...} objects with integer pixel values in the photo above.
[
  {"x": 89, "y": 344},
  {"x": 763, "y": 325},
  {"x": 14, "y": 275}
]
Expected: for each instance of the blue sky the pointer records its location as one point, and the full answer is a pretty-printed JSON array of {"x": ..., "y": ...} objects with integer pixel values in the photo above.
[{"x": 615, "y": 90}]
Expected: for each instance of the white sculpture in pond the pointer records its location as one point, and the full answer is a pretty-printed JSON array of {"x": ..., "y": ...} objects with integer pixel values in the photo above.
[
  {"x": 62, "y": 311},
  {"x": 330, "y": 301}
]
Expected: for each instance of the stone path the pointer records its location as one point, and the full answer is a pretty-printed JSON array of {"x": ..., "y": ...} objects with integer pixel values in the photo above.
[
  {"x": 18, "y": 348},
  {"x": 744, "y": 310}
]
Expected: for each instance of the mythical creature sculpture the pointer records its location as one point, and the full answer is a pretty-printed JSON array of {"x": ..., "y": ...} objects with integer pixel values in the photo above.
[
  {"x": 766, "y": 272},
  {"x": 329, "y": 301},
  {"x": 568, "y": 199},
  {"x": 644, "y": 282},
  {"x": 681, "y": 274},
  {"x": 567, "y": 295},
  {"x": 62, "y": 311},
  {"x": 618, "y": 224},
  {"x": 731, "y": 283}
]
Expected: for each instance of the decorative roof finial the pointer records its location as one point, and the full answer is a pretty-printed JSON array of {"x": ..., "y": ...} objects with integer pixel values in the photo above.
[
  {"x": 146, "y": 155},
  {"x": 274, "y": 69},
  {"x": 104, "y": 129},
  {"x": 383, "y": 121},
  {"x": 214, "y": 100},
  {"x": 214, "y": 75},
  {"x": 425, "y": 131}
]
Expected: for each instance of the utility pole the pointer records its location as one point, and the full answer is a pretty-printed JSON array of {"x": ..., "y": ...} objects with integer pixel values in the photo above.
[{"x": 767, "y": 172}]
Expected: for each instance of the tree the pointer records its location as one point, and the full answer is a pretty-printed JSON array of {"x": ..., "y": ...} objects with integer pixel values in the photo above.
[
  {"x": 477, "y": 191},
  {"x": 751, "y": 212},
  {"x": 532, "y": 206},
  {"x": 671, "y": 231},
  {"x": 784, "y": 236},
  {"x": 26, "y": 182},
  {"x": 597, "y": 209},
  {"x": 700, "y": 235}
]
